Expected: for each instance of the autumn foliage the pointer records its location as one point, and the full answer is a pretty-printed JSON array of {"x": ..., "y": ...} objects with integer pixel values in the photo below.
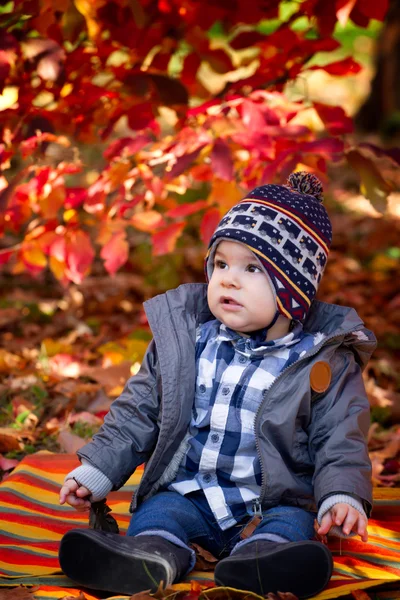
[{"x": 185, "y": 100}]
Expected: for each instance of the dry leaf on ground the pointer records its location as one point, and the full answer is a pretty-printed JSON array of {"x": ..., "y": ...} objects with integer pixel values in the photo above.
[
  {"x": 205, "y": 561},
  {"x": 10, "y": 439},
  {"x": 70, "y": 442},
  {"x": 18, "y": 593}
]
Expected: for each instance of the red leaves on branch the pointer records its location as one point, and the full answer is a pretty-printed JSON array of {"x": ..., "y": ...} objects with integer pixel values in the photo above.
[
  {"x": 334, "y": 118},
  {"x": 347, "y": 66},
  {"x": 191, "y": 123}
]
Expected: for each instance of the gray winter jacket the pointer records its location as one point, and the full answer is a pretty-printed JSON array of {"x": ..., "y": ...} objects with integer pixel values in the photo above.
[{"x": 310, "y": 445}]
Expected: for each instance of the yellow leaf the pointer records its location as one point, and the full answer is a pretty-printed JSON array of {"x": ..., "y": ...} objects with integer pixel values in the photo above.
[
  {"x": 33, "y": 256},
  {"x": 88, "y": 9},
  {"x": 8, "y": 98},
  {"x": 57, "y": 267},
  {"x": 53, "y": 347}
]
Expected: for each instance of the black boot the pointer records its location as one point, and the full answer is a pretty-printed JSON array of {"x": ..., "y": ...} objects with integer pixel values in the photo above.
[
  {"x": 121, "y": 564},
  {"x": 303, "y": 568}
]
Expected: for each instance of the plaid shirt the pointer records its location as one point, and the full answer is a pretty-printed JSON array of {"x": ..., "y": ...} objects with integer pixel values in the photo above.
[{"x": 233, "y": 374}]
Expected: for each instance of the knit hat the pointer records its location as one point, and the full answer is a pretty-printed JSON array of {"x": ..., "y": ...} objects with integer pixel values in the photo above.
[{"x": 288, "y": 229}]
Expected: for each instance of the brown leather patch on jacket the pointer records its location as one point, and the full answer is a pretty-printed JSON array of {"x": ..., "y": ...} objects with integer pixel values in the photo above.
[{"x": 320, "y": 376}]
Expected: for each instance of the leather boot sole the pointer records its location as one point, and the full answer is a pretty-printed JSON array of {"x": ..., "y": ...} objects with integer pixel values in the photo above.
[
  {"x": 303, "y": 568},
  {"x": 102, "y": 563}
]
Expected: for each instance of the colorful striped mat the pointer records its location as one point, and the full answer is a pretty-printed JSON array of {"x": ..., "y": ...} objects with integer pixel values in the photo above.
[{"x": 32, "y": 523}]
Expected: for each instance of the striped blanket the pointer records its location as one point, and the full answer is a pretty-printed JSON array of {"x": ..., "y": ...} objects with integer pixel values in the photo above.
[{"x": 32, "y": 524}]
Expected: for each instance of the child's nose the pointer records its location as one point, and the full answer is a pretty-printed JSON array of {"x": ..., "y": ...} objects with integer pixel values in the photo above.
[{"x": 231, "y": 279}]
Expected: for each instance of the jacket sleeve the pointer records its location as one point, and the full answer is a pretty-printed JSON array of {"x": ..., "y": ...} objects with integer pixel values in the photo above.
[
  {"x": 338, "y": 434},
  {"x": 130, "y": 430}
]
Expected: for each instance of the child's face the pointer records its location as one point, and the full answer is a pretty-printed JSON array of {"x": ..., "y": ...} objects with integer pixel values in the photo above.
[{"x": 239, "y": 292}]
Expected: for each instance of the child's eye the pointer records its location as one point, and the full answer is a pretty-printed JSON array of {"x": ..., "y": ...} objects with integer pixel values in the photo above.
[
  {"x": 220, "y": 264},
  {"x": 253, "y": 269}
]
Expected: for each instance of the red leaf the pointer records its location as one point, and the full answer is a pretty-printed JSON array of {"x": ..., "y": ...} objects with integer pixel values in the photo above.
[
  {"x": 246, "y": 39},
  {"x": 79, "y": 256},
  {"x": 221, "y": 160},
  {"x": 115, "y": 252},
  {"x": 184, "y": 210},
  {"x": 252, "y": 115},
  {"x": 372, "y": 9},
  {"x": 5, "y": 255},
  {"x": 75, "y": 197},
  {"x": 126, "y": 145},
  {"x": 347, "y": 66},
  {"x": 183, "y": 162},
  {"x": 4, "y": 68},
  {"x": 164, "y": 241},
  {"x": 209, "y": 223},
  {"x": 335, "y": 119},
  {"x": 327, "y": 147},
  {"x": 141, "y": 116}
]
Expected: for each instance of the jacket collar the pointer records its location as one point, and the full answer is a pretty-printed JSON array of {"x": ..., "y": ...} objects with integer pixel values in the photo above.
[{"x": 187, "y": 305}]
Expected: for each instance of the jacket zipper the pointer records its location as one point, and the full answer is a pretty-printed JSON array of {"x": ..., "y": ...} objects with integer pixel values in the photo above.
[{"x": 312, "y": 352}]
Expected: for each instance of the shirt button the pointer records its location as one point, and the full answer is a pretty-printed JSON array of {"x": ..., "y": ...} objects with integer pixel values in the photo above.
[
  {"x": 215, "y": 437},
  {"x": 202, "y": 388},
  {"x": 225, "y": 391},
  {"x": 207, "y": 477},
  {"x": 242, "y": 359}
]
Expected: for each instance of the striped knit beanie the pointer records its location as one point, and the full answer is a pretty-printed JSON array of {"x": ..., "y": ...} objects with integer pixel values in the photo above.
[{"x": 288, "y": 229}]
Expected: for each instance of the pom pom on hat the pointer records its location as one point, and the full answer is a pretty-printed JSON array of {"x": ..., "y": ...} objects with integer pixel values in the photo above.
[{"x": 306, "y": 183}]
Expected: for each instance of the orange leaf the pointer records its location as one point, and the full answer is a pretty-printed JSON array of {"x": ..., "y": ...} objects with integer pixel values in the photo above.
[
  {"x": 148, "y": 220},
  {"x": 115, "y": 252},
  {"x": 10, "y": 439},
  {"x": 164, "y": 241},
  {"x": 224, "y": 194},
  {"x": 360, "y": 595}
]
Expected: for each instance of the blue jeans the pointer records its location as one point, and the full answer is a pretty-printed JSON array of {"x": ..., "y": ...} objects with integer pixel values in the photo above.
[{"x": 187, "y": 519}]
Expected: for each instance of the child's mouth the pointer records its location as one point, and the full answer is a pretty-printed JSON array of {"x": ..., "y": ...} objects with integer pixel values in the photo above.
[{"x": 230, "y": 303}]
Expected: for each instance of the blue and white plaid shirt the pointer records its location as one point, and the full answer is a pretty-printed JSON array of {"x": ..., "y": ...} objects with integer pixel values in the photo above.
[{"x": 233, "y": 373}]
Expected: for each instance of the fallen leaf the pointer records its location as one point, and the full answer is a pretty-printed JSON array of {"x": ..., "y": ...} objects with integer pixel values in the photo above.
[
  {"x": 6, "y": 464},
  {"x": 205, "y": 561},
  {"x": 70, "y": 442},
  {"x": 9, "y": 316},
  {"x": 85, "y": 417},
  {"x": 10, "y": 439},
  {"x": 111, "y": 377},
  {"x": 18, "y": 593},
  {"x": 100, "y": 518}
]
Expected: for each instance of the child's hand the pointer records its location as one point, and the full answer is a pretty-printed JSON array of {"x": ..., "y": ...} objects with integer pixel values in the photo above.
[
  {"x": 347, "y": 516},
  {"x": 74, "y": 494}
]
